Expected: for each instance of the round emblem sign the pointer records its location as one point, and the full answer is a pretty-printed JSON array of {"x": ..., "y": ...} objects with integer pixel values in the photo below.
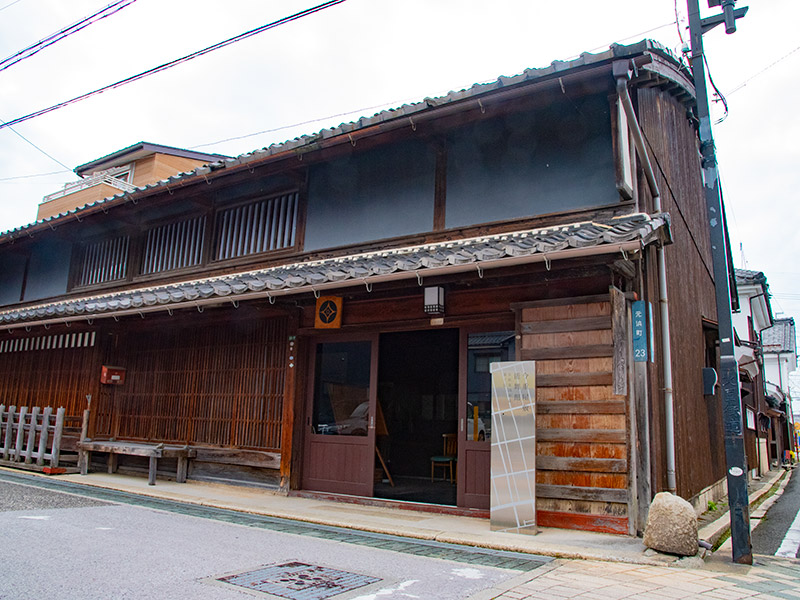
[{"x": 328, "y": 311}]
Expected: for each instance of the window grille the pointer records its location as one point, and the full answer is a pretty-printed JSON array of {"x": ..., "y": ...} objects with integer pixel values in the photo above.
[
  {"x": 103, "y": 261},
  {"x": 262, "y": 226},
  {"x": 174, "y": 246}
]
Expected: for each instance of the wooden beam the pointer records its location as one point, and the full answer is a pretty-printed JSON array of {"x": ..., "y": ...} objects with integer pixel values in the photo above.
[
  {"x": 586, "y": 522},
  {"x": 605, "y": 436},
  {"x": 567, "y": 325},
  {"x": 581, "y": 407},
  {"x": 560, "y": 302},
  {"x": 570, "y": 492},
  {"x": 573, "y": 379},
  {"x": 566, "y": 352},
  {"x": 594, "y": 465},
  {"x": 619, "y": 314}
]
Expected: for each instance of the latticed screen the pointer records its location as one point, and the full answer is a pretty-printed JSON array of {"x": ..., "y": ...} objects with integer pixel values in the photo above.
[
  {"x": 262, "y": 226},
  {"x": 174, "y": 246},
  {"x": 103, "y": 261}
]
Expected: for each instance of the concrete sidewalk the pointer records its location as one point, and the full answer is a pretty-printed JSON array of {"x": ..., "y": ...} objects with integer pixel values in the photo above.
[{"x": 470, "y": 531}]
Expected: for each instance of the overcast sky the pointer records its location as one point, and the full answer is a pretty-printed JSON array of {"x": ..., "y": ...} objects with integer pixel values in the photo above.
[{"x": 364, "y": 55}]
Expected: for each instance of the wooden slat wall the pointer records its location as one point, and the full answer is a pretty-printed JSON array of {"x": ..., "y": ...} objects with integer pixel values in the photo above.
[
  {"x": 220, "y": 385},
  {"x": 582, "y": 430},
  {"x": 50, "y": 369},
  {"x": 672, "y": 141}
]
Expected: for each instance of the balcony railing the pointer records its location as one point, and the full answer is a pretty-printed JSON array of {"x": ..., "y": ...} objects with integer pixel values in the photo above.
[{"x": 109, "y": 177}]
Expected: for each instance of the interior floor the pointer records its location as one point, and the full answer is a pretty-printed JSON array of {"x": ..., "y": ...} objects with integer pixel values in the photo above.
[{"x": 417, "y": 489}]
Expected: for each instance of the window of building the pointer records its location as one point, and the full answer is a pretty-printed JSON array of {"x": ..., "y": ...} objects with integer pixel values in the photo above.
[
  {"x": 266, "y": 225},
  {"x": 104, "y": 260},
  {"x": 174, "y": 246}
]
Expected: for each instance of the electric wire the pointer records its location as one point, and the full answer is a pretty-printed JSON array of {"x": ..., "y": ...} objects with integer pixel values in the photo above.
[
  {"x": 10, "y": 179},
  {"x": 61, "y": 34},
  {"x": 767, "y": 68},
  {"x": 175, "y": 62},
  {"x": 720, "y": 95},
  {"x": 9, "y": 5},
  {"x": 51, "y": 157}
]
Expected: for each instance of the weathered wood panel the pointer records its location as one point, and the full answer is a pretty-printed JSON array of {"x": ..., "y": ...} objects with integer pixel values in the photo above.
[
  {"x": 582, "y": 431},
  {"x": 672, "y": 141}
]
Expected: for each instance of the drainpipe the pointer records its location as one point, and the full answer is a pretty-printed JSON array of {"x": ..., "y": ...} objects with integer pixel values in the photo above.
[{"x": 622, "y": 73}]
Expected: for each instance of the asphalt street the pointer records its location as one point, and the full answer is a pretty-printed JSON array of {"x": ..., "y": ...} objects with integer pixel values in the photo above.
[
  {"x": 781, "y": 523},
  {"x": 62, "y": 544}
]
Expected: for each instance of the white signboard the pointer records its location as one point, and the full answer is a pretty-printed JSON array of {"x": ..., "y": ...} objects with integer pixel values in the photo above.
[{"x": 513, "y": 470}]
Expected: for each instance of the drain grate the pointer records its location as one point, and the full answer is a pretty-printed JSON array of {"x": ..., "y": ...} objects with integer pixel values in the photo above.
[{"x": 299, "y": 581}]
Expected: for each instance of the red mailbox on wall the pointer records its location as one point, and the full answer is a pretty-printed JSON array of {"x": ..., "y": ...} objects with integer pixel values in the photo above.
[{"x": 112, "y": 375}]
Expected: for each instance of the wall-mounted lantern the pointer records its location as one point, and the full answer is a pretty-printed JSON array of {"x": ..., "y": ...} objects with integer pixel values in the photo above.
[{"x": 434, "y": 300}]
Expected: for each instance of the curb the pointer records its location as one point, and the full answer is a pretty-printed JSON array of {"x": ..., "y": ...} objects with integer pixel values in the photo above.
[{"x": 715, "y": 530}]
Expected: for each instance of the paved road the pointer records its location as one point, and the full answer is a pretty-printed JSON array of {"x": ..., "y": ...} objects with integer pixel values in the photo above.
[
  {"x": 778, "y": 533},
  {"x": 91, "y": 543}
]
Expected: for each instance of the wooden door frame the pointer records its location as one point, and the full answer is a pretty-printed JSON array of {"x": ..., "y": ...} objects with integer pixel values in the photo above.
[
  {"x": 368, "y": 441},
  {"x": 464, "y": 444}
]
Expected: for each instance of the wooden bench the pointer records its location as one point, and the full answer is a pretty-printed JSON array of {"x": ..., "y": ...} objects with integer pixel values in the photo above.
[{"x": 152, "y": 451}]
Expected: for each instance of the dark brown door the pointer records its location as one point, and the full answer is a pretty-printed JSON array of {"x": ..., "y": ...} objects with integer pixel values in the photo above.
[
  {"x": 478, "y": 349},
  {"x": 340, "y": 416}
]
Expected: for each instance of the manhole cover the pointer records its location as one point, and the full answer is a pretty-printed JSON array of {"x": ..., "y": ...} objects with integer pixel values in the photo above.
[{"x": 299, "y": 581}]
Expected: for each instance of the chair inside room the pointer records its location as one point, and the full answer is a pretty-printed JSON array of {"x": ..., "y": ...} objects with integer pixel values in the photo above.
[{"x": 448, "y": 457}]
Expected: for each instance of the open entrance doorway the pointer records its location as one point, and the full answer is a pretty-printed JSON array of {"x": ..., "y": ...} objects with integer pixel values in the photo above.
[{"x": 417, "y": 416}]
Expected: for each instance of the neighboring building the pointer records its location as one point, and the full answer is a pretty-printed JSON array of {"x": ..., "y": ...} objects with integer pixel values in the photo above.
[
  {"x": 320, "y": 314},
  {"x": 133, "y": 167},
  {"x": 780, "y": 359},
  {"x": 753, "y": 317}
]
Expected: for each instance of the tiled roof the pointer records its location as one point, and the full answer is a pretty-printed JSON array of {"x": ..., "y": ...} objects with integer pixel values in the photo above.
[
  {"x": 307, "y": 143},
  {"x": 746, "y": 277},
  {"x": 625, "y": 233},
  {"x": 781, "y": 337}
]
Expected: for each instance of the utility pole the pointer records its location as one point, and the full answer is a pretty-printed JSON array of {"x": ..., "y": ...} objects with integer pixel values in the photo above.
[{"x": 736, "y": 460}]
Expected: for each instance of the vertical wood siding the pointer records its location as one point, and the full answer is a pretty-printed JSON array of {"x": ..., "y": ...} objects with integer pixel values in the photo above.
[
  {"x": 257, "y": 227},
  {"x": 174, "y": 246},
  {"x": 672, "y": 139},
  {"x": 103, "y": 261},
  {"x": 220, "y": 385},
  {"x": 582, "y": 429},
  {"x": 55, "y": 370}
]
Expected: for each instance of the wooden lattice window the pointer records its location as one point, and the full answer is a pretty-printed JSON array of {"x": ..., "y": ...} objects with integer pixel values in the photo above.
[
  {"x": 262, "y": 226},
  {"x": 174, "y": 246},
  {"x": 105, "y": 260}
]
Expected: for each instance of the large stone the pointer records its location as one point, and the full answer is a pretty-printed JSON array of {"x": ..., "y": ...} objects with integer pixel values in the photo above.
[{"x": 671, "y": 526}]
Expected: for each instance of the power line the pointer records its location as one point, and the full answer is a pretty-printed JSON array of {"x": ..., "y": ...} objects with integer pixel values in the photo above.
[
  {"x": 282, "y": 127},
  {"x": 9, "y": 5},
  {"x": 767, "y": 68},
  {"x": 4, "y": 179},
  {"x": 63, "y": 33},
  {"x": 4, "y": 124},
  {"x": 177, "y": 61}
]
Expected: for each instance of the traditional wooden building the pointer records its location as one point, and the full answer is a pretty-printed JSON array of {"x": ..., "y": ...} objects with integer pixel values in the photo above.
[{"x": 320, "y": 316}]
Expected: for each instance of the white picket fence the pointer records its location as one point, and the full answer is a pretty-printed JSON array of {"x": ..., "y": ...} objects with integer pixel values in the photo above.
[{"x": 31, "y": 436}]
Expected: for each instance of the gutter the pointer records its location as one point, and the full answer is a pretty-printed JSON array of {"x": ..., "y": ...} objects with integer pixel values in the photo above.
[
  {"x": 478, "y": 267},
  {"x": 622, "y": 73}
]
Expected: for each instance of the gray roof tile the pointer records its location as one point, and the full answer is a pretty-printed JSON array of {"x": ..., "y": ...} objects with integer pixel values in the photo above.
[{"x": 423, "y": 260}]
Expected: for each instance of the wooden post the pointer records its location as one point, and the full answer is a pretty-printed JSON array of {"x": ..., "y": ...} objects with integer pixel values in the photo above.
[
  {"x": 23, "y": 413},
  {"x": 3, "y": 412},
  {"x": 84, "y": 456},
  {"x": 112, "y": 463},
  {"x": 9, "y": 427},
  {"x": 151, "y": 476},
  {"x": 183, "y": 467},
  {"x": 44, "y": 435},
  {"x": 31, "y": 435},
  {"x": 55, "y": 454}
]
